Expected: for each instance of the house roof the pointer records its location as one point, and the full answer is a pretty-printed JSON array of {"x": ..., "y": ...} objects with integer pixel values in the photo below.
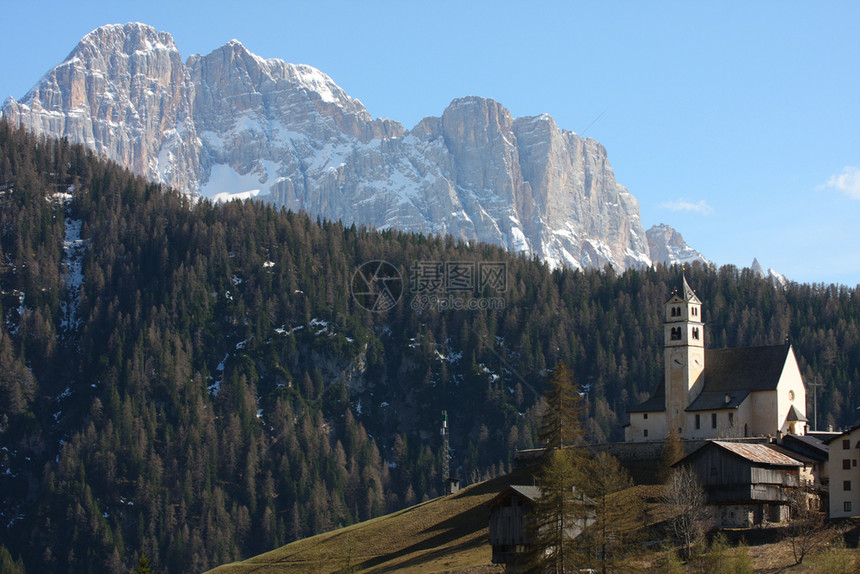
[
  {"x": 841, "y": 435},
  {"x": 736, "y": 372},
  {"x": 808, "y": 445},
  {"x": 758, "y": 453}
]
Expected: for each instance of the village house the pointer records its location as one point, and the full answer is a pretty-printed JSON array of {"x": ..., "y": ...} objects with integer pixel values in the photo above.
[
  {"x": 747, "y": 484},
  {"x": 844, "y": 473},
  {"x": 718, "y": 393}
]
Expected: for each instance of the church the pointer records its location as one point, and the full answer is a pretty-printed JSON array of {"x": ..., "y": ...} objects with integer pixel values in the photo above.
[{"x": 718, "y": 393}]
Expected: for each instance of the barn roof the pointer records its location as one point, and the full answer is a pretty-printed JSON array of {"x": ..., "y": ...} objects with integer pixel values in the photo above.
[
  {"x": 758, "y": 453},
  {"x": 530, "y": 493}
]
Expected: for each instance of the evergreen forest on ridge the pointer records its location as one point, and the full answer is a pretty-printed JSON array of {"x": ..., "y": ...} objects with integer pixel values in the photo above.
[{"x": 204, "y": 387}]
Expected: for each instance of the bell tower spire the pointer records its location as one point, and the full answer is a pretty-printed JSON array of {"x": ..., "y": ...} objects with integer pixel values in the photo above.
[{"x": 683, "y": 353}]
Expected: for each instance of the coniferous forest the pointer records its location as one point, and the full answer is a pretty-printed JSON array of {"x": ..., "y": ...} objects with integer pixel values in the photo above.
[{"x": 196, "y": 383}]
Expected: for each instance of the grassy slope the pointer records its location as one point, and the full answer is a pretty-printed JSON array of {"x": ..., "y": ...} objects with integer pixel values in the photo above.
[
  {"x": 441, "y": 535},
  {"x": 449, "y": 534}
]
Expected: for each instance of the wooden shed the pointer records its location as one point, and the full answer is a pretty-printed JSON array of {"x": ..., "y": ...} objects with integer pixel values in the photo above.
[
  {"x": 746, "y": 484},
  {"x": 508, "y": 521}
]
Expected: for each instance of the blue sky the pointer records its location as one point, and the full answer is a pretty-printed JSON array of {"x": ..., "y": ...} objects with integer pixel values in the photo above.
[{"x": 738, "y": 123}]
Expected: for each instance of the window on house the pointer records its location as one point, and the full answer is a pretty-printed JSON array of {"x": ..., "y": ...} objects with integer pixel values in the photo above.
[
  {"x": 846, "y": 444},
  {"x": 846, "y": 464},
  {"x": 645, "y": 416},
  {"x": 713, "y": 420},
  {"x": 853, "y": 462},
  {"x": 645, "y": 432},
  {"x": 698, "y": 421},
  {"x": 846, "y": 485},
  {"x": 846, "y": 506},
  {"x": 731, "y": 419}
]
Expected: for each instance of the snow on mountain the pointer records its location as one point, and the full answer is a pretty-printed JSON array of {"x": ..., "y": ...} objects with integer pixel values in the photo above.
[
  {"x": 668, "y": 246},
  {"x": 775, "y": 277},
  {"x": 232, "y": 125}
]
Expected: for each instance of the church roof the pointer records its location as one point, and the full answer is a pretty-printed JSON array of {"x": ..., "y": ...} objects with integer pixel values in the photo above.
[
  {"x": 715, "y": 400},
  {"x": 745, "y": 368},
  {"x": 733, "y": 372},
  {"x": 793, "y": 415},
  {"x": 689, "y": 294},
  {"x": 656, "y": 403}
]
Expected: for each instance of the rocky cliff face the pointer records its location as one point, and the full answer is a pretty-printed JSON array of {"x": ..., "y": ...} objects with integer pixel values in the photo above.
[
  {"x": 668, "y": 246},
  {"x": 231, "y": 124}
]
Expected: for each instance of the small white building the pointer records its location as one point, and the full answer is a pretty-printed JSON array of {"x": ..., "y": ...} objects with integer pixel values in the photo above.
[
  {"x": 718, "y": 393},
  {"x": 844, "y": 473}
]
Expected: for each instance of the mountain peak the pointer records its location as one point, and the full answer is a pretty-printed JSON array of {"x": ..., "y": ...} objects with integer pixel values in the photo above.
[
  {"x": 667, "y": 246},
  {"x": 233, "y": 124},
  {"x": 126, "y": 38}
]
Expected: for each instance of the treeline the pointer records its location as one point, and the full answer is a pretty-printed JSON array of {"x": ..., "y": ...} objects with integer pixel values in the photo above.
[{"x": 212, "y": 389}]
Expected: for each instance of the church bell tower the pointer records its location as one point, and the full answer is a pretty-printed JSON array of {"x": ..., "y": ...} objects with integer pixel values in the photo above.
[{"x": 683, "y": 354}]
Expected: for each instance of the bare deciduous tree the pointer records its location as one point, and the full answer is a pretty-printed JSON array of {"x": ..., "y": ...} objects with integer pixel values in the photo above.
[
  {"x": 806, "y": 529},
  {"x": 685, "y": 497}
]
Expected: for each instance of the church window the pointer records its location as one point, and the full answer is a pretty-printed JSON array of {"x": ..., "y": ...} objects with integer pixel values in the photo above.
[
  {"x": 676, "y": 333},
  {"x": 695, "y": 312},
  {"x": 790, "y": 395},
  {"x": 713, "y": 420},
  {"x": 696, "y": 333},
  {"x": 698, "y": 421},
  {"x": 846, "y": 444},
  {"x": 846, "y": 506},
  {"x": 846, "y": 485},
  {"x": 846, "y": 464}
]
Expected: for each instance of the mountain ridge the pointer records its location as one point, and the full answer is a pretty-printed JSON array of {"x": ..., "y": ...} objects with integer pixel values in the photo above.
[{"x": 230, "y": 124}]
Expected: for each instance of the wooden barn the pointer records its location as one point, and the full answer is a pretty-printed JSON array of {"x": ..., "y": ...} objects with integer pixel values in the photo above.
[
  {"x": 509, "y": 512},
  {"x": 746, "y": 484}
]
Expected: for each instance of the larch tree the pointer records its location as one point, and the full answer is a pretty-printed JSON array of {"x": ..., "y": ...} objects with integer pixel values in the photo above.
[
  {"x": 561, "y": 511},
  {"x": 608, "y": 484}
]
